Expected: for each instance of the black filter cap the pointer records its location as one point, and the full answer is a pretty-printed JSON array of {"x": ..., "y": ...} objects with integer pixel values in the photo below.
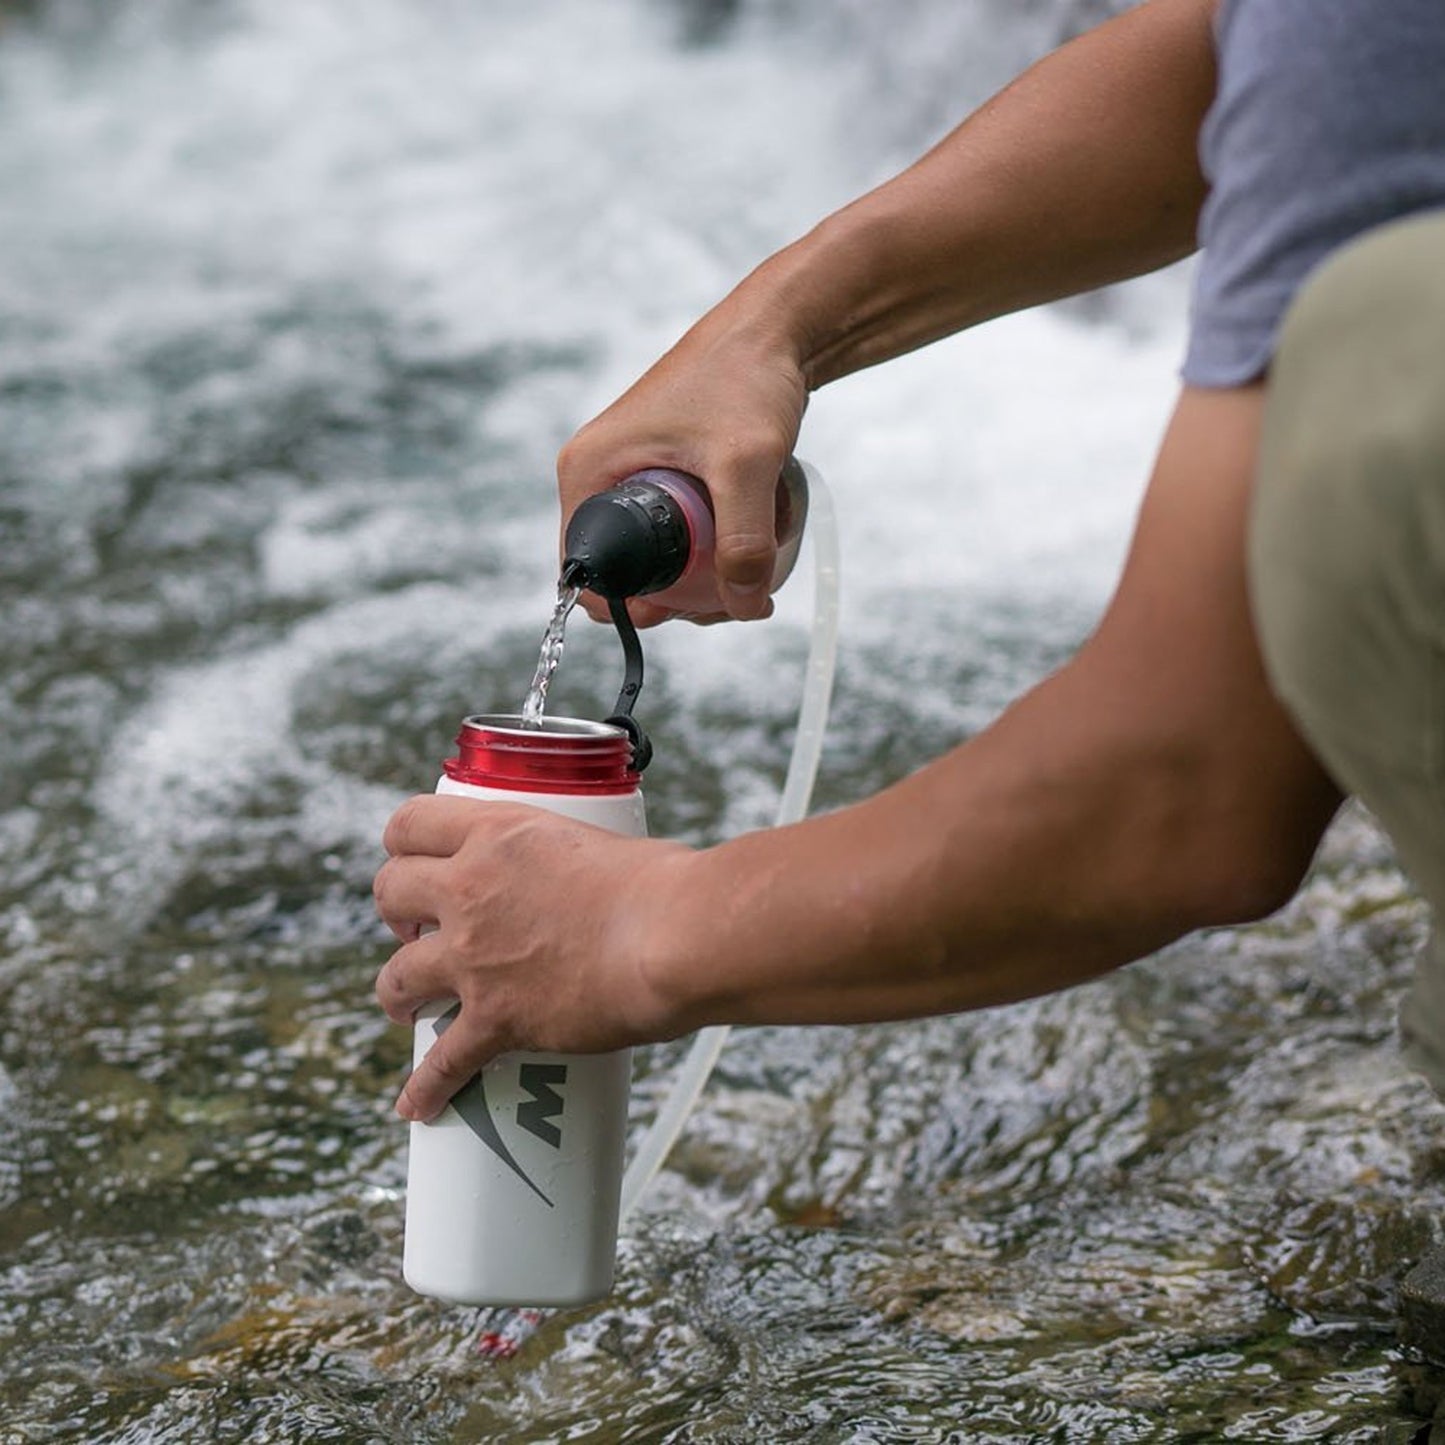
[{"x": 627, "y": 541}]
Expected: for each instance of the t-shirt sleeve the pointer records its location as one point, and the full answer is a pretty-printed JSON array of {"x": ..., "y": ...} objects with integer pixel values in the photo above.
[{"x": 1329, "y": 120}]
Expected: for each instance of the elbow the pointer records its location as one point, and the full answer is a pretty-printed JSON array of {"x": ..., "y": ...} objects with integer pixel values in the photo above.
[
  {"x": 1228, "y": 845},
  {"x": 1248, "y": 884}
]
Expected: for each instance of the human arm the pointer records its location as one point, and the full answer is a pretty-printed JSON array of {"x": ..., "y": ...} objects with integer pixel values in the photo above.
[
  {"x": 1081, "y": 172},
  {"x": 1149, "y": 787}
]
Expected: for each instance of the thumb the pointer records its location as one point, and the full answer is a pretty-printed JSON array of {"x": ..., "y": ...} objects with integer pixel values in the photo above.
[{"x": 746, "y": 545}]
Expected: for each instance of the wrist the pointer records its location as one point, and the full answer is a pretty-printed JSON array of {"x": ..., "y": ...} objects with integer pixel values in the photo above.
[
  {"x": 803, "y": 300},
  {"x": 650, "y": 938},
  {"x": 760, "y": 324},
  {"x": 879, "y": 278},
  {"x": 664, "y": 939},
  {"x": 797, "y": 310}
]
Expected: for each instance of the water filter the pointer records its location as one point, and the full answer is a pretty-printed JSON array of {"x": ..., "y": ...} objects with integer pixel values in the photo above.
[
  {"x": 513, "y": 1190},
  {"x": 653, "y": 535}
]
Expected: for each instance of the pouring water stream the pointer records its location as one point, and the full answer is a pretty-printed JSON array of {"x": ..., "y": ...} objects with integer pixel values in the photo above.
[{"x": 550, "y": 656}]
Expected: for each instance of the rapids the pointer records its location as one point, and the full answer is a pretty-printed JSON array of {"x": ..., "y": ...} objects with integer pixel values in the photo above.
[{"x": 297, "y": 301}]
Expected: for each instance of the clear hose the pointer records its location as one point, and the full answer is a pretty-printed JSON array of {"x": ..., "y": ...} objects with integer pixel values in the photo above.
[{"x": 797, "y": 792}]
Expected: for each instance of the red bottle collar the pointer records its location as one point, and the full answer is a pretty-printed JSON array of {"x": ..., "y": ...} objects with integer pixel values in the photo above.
[{"x": 564, "y": 755}]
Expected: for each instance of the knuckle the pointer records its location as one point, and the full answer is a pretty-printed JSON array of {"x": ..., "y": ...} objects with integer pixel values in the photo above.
[
  {"x": 391, "y": 993},
  {"x": 579, "y": 463},
  {"x": 450, "y": 891},
  {"x": 382, "y": 885},
  {"x": 746, "y": 557},
  {"x": 450, "y": 1068},
  {"x": 572, "y": 459},
  {"x": 400, "y": 827},
  {"x": 747, "y": 548},
  {"x": 759, "y": 446},
  {"x": 467, "y": 937},
  {"x": 514, "y": 830}
]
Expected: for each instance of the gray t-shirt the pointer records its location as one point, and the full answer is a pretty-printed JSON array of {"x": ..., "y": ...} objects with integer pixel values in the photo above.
[{"x": 1329, "y": 120}]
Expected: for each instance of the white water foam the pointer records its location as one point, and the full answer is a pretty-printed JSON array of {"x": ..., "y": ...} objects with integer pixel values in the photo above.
[{"x": 448, "y": 181}]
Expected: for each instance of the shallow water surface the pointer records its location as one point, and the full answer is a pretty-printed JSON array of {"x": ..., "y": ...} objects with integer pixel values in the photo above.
[{"x": 297, "y": 302}]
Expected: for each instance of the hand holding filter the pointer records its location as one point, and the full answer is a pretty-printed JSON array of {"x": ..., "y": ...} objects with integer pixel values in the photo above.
[{"x": 654, "y": 535}]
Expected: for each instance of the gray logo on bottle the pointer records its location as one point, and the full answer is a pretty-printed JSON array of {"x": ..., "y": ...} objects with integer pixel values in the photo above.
[{"x": 534, "y": 1114}]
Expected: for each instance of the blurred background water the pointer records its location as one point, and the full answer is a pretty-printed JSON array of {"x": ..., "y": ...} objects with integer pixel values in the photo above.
[{"x": 297, "y": 301}]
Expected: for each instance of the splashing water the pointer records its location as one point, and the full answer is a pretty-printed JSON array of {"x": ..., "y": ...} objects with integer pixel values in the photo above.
[{"x": 553, "y": 641}]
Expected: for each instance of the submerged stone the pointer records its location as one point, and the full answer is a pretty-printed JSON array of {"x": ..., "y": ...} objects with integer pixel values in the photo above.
[{"x": 1422, "y": 1307}]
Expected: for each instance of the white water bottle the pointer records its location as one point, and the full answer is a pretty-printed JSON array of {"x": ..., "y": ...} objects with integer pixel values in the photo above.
[{"x": 513, "y": 1190}]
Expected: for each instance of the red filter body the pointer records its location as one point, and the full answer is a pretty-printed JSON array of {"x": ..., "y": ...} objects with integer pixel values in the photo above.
[{"x": 695, "y": 592}]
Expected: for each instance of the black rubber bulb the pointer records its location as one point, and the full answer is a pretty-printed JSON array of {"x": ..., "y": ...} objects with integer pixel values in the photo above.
[{"x": 627, "y": 541}]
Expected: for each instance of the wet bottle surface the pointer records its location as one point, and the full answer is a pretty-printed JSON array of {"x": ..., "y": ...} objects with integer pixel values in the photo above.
[{"x": 513, "y": 1190}]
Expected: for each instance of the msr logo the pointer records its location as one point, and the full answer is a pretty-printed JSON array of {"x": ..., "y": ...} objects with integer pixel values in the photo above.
[{"x": 535, "y": 1115}]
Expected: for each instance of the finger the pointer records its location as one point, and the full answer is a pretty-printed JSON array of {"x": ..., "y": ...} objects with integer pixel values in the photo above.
[
  {"x": 744, "y": 503},
  {"x": 413, "y": 976},
  {"x": 643, "y": 612},
  {"x": 647, "y": 614},
  {"x": 594, "y": 460},
  {"x": 449, "y": 1064},
  {"x": 594, "y": 606},
  {"x": 408, "y": 891},
  {"x": 600, "y": 455},
  {"x": 711, "y": 619},
  {"x": 432, "y": 824}
]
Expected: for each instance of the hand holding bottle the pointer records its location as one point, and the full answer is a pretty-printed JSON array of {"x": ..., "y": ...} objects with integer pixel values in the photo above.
[{"x": 537, "y": 923}]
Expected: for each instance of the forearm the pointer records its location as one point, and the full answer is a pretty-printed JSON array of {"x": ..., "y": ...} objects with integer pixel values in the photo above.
[
  {"x": 1151, "y": 786},
  {"x": 1030, "y": 859},
  {"x": 1082, "y": 172}
]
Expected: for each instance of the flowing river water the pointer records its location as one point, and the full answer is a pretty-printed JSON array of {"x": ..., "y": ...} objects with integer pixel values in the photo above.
[{"x": 297, "y": 300}]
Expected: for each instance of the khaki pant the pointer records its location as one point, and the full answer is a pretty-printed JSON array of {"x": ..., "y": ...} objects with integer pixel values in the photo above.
[{"x": 1347, "y": 553}]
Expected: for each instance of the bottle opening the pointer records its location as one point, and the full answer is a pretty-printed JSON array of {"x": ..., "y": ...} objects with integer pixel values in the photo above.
[{"x": 564, "y": 755}]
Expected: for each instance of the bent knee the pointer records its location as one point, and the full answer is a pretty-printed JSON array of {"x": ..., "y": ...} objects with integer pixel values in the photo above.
[{"x": 1347, "y": 528}]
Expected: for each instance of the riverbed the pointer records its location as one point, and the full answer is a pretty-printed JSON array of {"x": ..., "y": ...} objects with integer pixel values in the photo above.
[{"x": 297, "y": 302}]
